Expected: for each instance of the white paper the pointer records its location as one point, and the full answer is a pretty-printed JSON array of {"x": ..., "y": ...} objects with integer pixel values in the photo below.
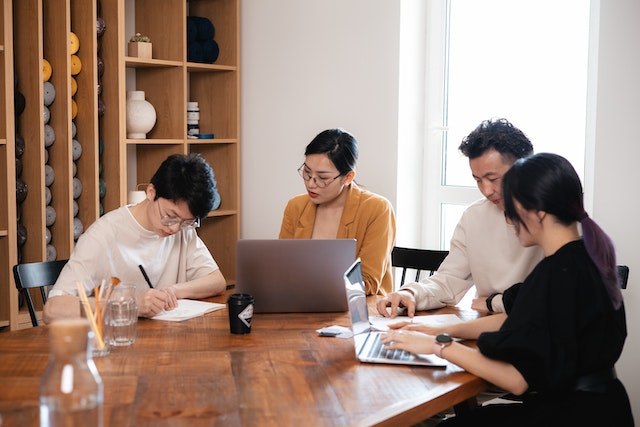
[
  {"x": 434, "y": 320},
  {"x": 188, "y": 309}
]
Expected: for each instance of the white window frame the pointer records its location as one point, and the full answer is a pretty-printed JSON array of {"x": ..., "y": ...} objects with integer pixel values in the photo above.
[{"x": 421, "y": 193}]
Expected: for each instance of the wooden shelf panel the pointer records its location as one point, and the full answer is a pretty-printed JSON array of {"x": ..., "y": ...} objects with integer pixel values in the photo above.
[
  {"x": 195, "y": 67},
  {"x": 222, "y": 212},
  {"x": 133, "y": 62},
  {"x": 154, "y": 141},
  {"x": 199, "y": 141}
]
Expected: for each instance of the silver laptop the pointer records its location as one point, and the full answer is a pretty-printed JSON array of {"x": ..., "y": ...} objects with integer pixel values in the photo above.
[
  {"x": 368, "y": 342},
  {"x": 294, "y": 275}
]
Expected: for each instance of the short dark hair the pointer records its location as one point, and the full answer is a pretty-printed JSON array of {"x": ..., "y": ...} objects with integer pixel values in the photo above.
[
  {"x": 186, "y": 178},
  {"x": 500, "y": 135},
  {"x": 339, "y": 145}
]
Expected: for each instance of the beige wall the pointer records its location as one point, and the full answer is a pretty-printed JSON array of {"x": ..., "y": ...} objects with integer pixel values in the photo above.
[{"x": 617, "y": 151}]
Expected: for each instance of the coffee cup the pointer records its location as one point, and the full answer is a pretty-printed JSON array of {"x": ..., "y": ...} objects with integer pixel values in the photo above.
[{"x": 240, "y": 313}]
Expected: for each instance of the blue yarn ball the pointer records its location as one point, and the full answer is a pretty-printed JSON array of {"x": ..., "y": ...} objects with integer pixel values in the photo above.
[{"x": 210, "y": 51}]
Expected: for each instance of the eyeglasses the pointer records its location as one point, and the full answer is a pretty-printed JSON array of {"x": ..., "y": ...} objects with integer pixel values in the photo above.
[
  {"x": 169, "y": 221},
  {"x": 320, "y": 182}
]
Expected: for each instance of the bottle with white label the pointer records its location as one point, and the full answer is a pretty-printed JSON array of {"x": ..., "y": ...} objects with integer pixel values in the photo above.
[{"x": 193, "y": 119}]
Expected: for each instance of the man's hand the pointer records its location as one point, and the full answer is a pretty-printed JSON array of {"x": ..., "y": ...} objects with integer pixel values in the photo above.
[
  {"x": 155, "y": 301},
  {"x": 402, "y": 298},
  {"x": 479, "y": 304}
]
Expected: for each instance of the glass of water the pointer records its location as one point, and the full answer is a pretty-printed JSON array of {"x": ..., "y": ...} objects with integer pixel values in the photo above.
[{"x": 123, "y": 315}]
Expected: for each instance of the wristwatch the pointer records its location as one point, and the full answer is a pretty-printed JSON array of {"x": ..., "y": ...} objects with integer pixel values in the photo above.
[
  {"x": 490, "y": 300},
  {"x": 443, "y": 340}
]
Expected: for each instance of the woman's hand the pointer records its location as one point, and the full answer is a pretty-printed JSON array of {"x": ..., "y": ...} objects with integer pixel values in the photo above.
[
  {"x": 411, "y": 341},
  {"x": 417, "y": 327}
]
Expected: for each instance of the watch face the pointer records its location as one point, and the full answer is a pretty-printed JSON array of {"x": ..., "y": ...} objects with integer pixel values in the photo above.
[{"x": 444, "y": 338}]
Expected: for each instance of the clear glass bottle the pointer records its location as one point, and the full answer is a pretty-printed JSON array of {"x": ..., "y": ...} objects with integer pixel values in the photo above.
[{"x": 71, "y": 390}]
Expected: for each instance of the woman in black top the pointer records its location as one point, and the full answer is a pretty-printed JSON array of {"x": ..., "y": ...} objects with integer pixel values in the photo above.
[{"x": 564, "y": 327}]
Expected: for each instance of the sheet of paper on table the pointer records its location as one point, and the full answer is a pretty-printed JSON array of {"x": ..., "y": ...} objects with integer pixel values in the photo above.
[
  {"x": 434, "y": 320},
  {"x": 188, "y": 309}
]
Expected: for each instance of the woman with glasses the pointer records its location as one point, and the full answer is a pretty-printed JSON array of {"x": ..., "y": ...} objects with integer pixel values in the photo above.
[
  {"x": 152, "y": 244},
  {"x": 334, "y": 207}
]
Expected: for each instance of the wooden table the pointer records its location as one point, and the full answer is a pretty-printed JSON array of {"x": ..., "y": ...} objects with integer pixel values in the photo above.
[{"x": 195, "y": 373}]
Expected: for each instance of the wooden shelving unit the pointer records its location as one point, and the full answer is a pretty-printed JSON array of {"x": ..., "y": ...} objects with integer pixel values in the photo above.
[
  {"x": 8, "y": 255},
  {"x": 37, "y": 29}
]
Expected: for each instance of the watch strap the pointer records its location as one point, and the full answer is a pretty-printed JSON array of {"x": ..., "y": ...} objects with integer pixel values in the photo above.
[{"x": 489, "y": 299}]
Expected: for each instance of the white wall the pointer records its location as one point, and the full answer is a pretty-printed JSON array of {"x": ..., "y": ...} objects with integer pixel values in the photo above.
[
  {"x": 311, "y": 65},
  {"x": 308, "y": 66},
  {"x": 616, "y": 202}
]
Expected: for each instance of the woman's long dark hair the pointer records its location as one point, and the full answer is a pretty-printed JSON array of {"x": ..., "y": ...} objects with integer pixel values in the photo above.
[{"x": 547, "y": 182}]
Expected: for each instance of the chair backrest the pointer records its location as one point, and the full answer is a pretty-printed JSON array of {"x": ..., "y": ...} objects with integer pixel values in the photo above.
[
  {"x": 417, "y": 259},
  {"x": 623, "y": 276},
  {"x": 36, "y": 275}
]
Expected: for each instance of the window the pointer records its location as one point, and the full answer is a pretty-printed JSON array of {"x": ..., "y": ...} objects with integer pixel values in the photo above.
[{"x": 525, "y": 60}]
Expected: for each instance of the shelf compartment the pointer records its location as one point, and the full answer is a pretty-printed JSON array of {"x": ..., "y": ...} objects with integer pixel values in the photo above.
[
  {"x": 164, "y": 88},
  {"x": 217, "y": 97},
  {"x": 220, "y": 234},
  {"x": 160, "y": 20},
  {"x": 224, "y": 15}
]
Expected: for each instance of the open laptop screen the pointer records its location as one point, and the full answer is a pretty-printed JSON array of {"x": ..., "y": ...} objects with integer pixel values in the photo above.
[{"x": 357, "y": 298}]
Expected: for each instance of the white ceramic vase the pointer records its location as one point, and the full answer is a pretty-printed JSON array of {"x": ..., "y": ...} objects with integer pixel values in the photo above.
[{"x": 141, "y": 116}]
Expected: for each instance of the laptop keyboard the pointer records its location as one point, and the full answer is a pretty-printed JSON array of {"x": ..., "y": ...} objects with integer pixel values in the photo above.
[{"x": 379, "y": 350}]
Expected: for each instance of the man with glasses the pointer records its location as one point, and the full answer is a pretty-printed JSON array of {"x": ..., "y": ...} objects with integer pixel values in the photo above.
[
  {"x": 334, "y": 207},
  {"x": 152, "y": 244}
]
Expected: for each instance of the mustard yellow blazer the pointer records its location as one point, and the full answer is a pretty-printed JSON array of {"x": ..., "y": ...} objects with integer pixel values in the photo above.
[{"x": 367, "y": 217}]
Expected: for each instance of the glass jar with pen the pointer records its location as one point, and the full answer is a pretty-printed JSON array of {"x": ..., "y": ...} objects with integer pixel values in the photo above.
[{"x": 113, "y": 317}]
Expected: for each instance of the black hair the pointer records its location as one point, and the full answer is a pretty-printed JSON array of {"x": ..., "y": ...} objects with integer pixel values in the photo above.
[
  {"x": 186, "y": 178},
  {"x": 500, "y": 135},
  {"x": 548, "y": 182},
  {"x": 339, "y": 145}
]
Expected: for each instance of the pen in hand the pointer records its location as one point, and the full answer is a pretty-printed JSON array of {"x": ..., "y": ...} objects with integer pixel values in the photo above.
[{"x": 146, "y": 278}]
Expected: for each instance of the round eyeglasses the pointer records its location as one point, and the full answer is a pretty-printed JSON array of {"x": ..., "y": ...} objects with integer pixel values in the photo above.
[
  {"x": 169, "y": 221},
  {"x": 320, "y": 182}
]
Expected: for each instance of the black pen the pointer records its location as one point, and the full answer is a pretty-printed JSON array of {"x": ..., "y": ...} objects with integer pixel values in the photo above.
[{"x": 144, "y": 273}]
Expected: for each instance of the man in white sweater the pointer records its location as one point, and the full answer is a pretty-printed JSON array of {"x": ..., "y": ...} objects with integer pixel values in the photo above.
[
  {"x": 484, "y": 249},
  {"x": 156, "y": 236}
]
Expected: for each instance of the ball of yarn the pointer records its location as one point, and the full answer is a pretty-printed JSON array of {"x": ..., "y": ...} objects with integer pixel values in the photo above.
[
  {"x": 210, "y": 51},
  {"x": 49, "y": 175},
  {"x": 22, "y": 235},
  {"x": 77, "y": 188},
  {"x": 194, "y": 52},
  {"x": 52, "y": 254},
  {"x": 205, "y": 28},
  {"x": 78, "y": 228},
  {"x": 49, "y": 92},
  {"x": 49, "y": 136},
  {"x": 50, "y": 215}
]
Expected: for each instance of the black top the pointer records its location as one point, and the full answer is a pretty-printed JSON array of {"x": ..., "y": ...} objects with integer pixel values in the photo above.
[{"x": 561, "y": 325}]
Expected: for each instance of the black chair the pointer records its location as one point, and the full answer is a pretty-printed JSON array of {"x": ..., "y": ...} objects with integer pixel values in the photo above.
[
  {"x": 36, "y": 275},
  {"x": 623, "y": 276},
  {"x": 416, "y": 259}
]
